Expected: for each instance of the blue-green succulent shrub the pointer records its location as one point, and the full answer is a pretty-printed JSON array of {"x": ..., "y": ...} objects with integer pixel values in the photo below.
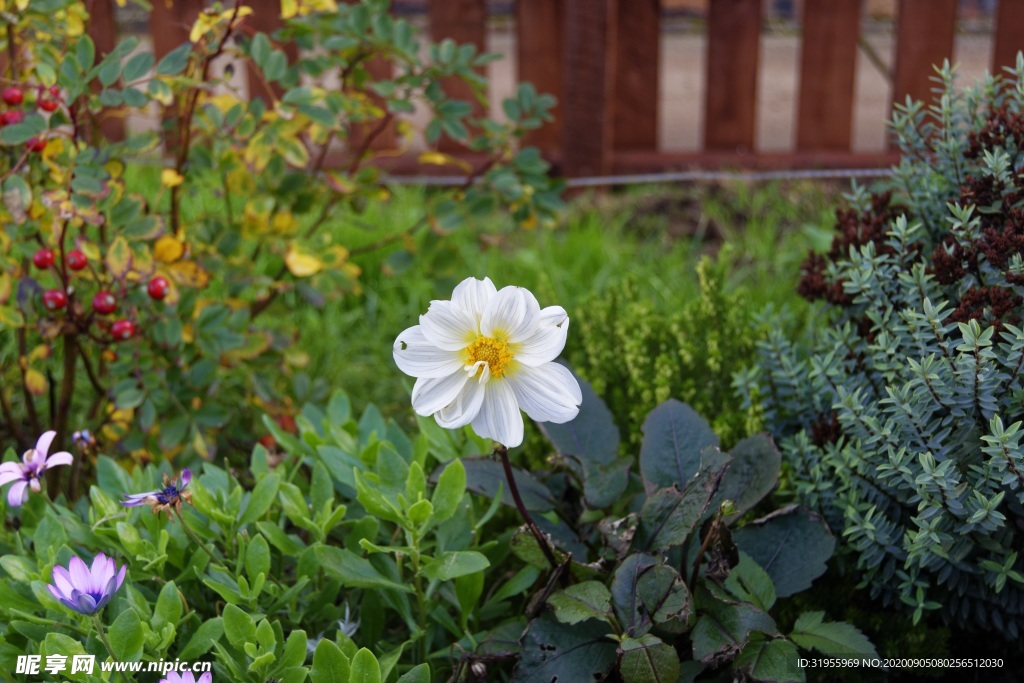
[{"x": 900, "y": 414}]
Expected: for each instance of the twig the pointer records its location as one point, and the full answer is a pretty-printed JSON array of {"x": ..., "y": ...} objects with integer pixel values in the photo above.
[{"x": 542, "y": 541}]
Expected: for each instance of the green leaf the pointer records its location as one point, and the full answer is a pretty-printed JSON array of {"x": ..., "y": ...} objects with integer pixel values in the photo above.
[
  {"x": 811, "y": 632},
  {"x": 110, "y": 70},
  {"x": 126, "y": 636},
  {"x": 485, "y": 476},
  {"x": 792, "y": 545},
  {"x": 451, "y": 487},
  {"x": 19, "y": 133},
  {"x": 330, "y": 665},
  {"x": 646, "y": 592},
  {"x": 452, "y": 564},
  {"x": 238, "y": 626},
  {"x": 648, "y": 660},
  {"x": 354, "y": 571},
  {"x": 669, "y": 516},
  {"x": 587, "y": 600},
  {"x": 261, "y": 498},
  {"x": 419, "y": 513},
  {"x": 749, "y": 582},
  {"x": 168, "y": 607},
  {"x": 773, "y": 660},
  {"x": 417, "y": 674},
  {"x": 60, "y": 644},
  {"x": 257, "y": 558},
  {"x": 365, "y": 668},
  {"x": 553, "y": 651},
  {"x": 754, "y": 472},
  {"x": 591, "y": 436},
  {"x": 174, "y": 61},
  {"x": 138, "y": 66},
  {"x": 259, "y": 49},
  {"x": 674, "y": 438},
  {"x": 119, "y": 258},
  {"x": 203, "y": 639},
  {"x": 723, "y": 629}
]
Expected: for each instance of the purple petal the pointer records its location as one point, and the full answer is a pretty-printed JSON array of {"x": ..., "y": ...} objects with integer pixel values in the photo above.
[
  {"x": 57, "y": 459},
  {"x": 172, "y": 677},
  {"x": 120, "y": 577},
  {"x": 132, "y": 500},
  {"x": 33, "y": 483},
  {"x": 186, "y": 477},
  {"x": 108, "y": 592},
  {"x": 206, "y": 678},
  {"x": 86, "y": 604},
  {"x": 62, "y": 580},
  {"x": 55, "y": 592},
  {"x": 11, "y": 471},
  {"x": 43, "y": 445},
  {"x": 81, "y": 579},
  {"x": 17, "y": 494},
  {"x": 99, "y": 573}
]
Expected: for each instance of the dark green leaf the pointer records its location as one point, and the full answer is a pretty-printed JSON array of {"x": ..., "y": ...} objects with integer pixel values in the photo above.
[
  {"x": 138, "y": 66},
  {"x": 646, "y": 592},
  {"x": 126, "y": 636},
  {"x": 749, "y": 582},
  {"x": 648, "y": 660},
  {"x": 484, "y": 475},
  {"x": 353, "y": 570},
  {"x": 772, "y": 660},
  {"x": 592, "y": 435},
  {"x": 553, "y": 651},
  {"x": 754, "y": 472},
  {"x": 791, "y": 544},
  {"x": 674, "y": 438},
  {"x": 582, "y": 601},
  {"x": 453, "y": 564},
  {"x": 811, "y": 632},
  {"x": 724, "y": 628}
]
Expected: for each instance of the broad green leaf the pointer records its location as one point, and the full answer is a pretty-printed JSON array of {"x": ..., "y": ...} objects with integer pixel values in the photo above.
[
  {"x": 261, "y": 498},
  {"x": 723, "y": 629},
  {"x": 138, "y": 66},
  {"x": 648, "y": 660},
  {"x": 551, "y": 650},
  {"x": 364, "y": 668},
  {"x": 773, "y": 660},
  {"x": 811, "y": 632},
  {"x": 753, "y": 473},
  {"x": 674, "y": 438},
  {"x": 749, "y": 582},
  {"x": 451, "y": 486},
  {"x": 238, "y": 626},
  {"x": 418, "y": 674},
  {"x": 591, "y": 435},
  {"x": 485, "y": 476},
  {"x": 203, "y": 639},
  {"x": 174, "y": 61},
  {"x": 330, "y": 665},
  {"x": 452, "y": 564},
  {"x": 126, "y": 636},
  {"x": 791, "y": 544},
  {"x": 647, "y": 593},
  {"x": 168, "y": 606},
  {"x": 354, "y": 571},
  {"x": 119, "y": 258},
  {"x": 257, "y": 558},
  {"x": 587, "y": 600}
]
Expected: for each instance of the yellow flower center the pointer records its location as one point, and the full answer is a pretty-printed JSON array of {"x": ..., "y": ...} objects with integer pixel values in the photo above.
[{"x": 494, "y": 352}]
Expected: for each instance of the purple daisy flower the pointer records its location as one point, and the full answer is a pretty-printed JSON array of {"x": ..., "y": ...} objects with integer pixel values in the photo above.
[
  {"x": 170, "y": 496},
  {"x": 26, "y": 474},
  {"x": 86, "y": 590},
  {"x": 186, "y": 677}
]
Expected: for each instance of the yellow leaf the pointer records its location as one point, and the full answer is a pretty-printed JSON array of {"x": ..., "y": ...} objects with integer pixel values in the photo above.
[
  {"x": 40, "y": 352},
  {"x": 442, "y": 159},
  {"x": 283, "y": 222},
  {"x": 296, "y": 358},
  {"x": 35, "y": 382},
  {"x": 5, "y": 288},
  {"x": 171, "y": 178},
  {"x": 119, "y": 258},
  {"x": 302, "y": 264},
  {"x": 168, "y": 249},
  {"x": 91, "y": 251},
  {"x": 188, "y": 274}
]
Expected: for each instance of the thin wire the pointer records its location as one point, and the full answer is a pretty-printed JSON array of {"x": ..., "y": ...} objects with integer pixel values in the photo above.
[{"x": 672, "y": 177}]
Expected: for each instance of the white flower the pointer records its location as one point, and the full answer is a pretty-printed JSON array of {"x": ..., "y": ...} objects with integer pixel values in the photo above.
[{"x": 485, "y": 354}]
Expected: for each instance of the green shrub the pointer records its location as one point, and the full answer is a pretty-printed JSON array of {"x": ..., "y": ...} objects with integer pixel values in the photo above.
[
  {"x": 637, "y": 354},
  {"x": 900, "y": 416}
]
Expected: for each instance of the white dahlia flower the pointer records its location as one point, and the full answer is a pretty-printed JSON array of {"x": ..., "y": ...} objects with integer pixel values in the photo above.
[{"x": 481, "y": 357}]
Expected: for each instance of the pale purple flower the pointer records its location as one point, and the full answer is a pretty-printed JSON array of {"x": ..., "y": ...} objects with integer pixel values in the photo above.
[
  {"x": 83, "y": 589},
  {"x": 170, "y": 496},
  {"x": 186, "y": 677},
  {"x": 26, "y": 474}
]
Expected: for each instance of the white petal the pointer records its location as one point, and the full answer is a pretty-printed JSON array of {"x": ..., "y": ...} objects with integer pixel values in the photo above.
[
  {"x": 513, "y": 314},
  {"x": 448, "y": 327},
  {"x": 464, "y": 408},
  {"x": 17, "y": 494},
  {"x": 473, "y": 295},
  {"x": 553, "y": 315},
  {"x": 544, "y": 345},
  {"x": 43, "y": 444},
  {"x": 543, "y": 393},
  {"x": 499, "y": 417},
  {"x": 569, "y": 383},
  {"x": 415, "y": 356},
  {"x": 430, "y": 395}
]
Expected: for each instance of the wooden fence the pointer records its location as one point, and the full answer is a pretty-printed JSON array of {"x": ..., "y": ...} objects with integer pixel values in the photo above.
[{"x": 601, "y": 58}]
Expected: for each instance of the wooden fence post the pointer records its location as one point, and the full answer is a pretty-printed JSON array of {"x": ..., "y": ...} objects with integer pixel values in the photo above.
[
  {"x": 590, "y": 42},
  {"x": 169, "y": 26},
  {"x": 734, "y": 44},
  {"x": 1009, "y": 38},
  {"x": 540, "y": 54},
  {"x": 464, "y": 21},
  {"x": 923, "y": 40},
  {"x": 103, "y": 31},
  {"x": 828, "y": 61},
  {"x": 636, "y": 75}
]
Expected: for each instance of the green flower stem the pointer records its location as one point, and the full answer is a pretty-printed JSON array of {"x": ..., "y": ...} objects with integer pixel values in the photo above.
[
  {"x": 542, "y": 541},
  {"x": 421, "y": 603},
  {"x": 98, "y": 624},
  {"x": 49, "y": 622},
  {"x": 198, "y": 541}
]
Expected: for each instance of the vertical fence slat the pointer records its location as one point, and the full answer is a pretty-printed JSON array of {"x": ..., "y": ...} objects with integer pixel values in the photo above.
[
  {"x": 464, "y": 21},
  {"x": 540, "y": 29},
  {"x": 636, "y": 75},
  {"x": 1009, "y": 38},
  {"x": 828, "y": 59},
  {"x": 266, "y": 18},
  {"x": 380, "y": 69},
  {"x": 103, "y": 31},
  {"x": 590, "y": 44},
  {"x": 924, "y": 38},
  {"x": 734, "y": 44},
  {"x": 169, "y": 28}
]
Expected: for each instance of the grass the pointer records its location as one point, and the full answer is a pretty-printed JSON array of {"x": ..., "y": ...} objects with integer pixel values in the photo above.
[{"x": 656, "y": 234}]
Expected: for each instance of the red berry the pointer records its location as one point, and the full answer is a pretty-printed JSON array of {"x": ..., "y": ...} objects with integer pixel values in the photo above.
[
  {"x": 43, "y": 259},
  {"x": 76, "y": 260},
  {"x": 12, "y": 116},
  {"x": 36, "y": 144},
  {"x": 13, "y": 95},
  {"x": 55, "y": 92},
  {"x": 123, "y": 329},
  {"x": 104, "y": 302},
  {"x": 48, "y": 105},
  {"x": 55, "y": 299},
  {"x": 158, "y": 288}
]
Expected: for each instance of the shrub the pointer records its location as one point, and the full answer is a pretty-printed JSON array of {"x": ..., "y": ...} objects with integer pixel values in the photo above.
[
  {"x": 901, "y": 416},
  {"x": 152, "y": 319}
]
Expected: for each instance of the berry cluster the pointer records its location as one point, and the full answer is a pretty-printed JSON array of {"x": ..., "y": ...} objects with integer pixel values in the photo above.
[{"x": 47, "y": 100}]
